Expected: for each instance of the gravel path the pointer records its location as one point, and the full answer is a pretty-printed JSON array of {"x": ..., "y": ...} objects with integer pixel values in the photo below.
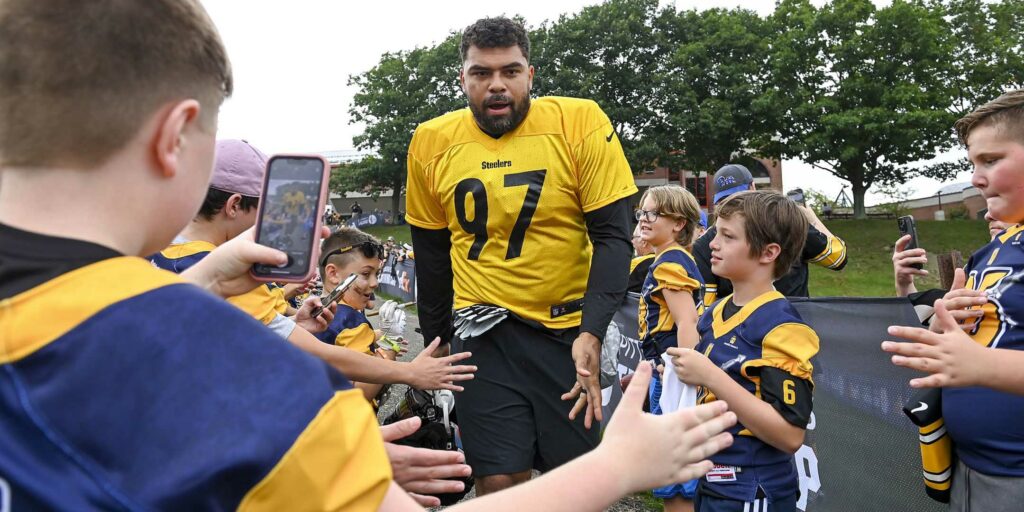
[{"x": 628, "y": 504}]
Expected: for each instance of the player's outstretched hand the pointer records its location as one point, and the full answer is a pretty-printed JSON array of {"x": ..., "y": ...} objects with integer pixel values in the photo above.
[
  {"x": 963, "y": 304},
  {"x": 429, "y": 372},
  {"x": 304, "y": 317},
  {"x": 680, "y": 441},
  {"x": 902, "y": 259},
  {"x": 945, "y": 351},
  {"x": 420, "y": 470},
  {"x": 586, "y": 355},
  {"x": 225, "y": 271}
]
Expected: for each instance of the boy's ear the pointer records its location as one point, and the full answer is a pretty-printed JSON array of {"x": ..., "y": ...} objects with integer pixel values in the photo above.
[
  {"x": 770, "y": 252},
  {"x": 233, "y": 206},
  {"x": 169, "y": 139}
]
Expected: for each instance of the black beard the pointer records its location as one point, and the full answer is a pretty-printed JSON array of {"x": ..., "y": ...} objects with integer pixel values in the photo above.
[{"x": 498, "y": 126}]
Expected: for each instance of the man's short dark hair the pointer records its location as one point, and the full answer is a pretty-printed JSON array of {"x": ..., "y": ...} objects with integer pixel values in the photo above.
[{"x": 499, "y": 32}]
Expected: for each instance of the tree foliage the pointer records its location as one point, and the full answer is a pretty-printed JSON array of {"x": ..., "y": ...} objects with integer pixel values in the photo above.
[{"x": 863, "y": 92}]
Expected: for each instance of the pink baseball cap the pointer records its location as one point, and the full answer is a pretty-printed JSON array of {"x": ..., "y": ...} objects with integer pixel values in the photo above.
[{"x": 239, "y": 168}]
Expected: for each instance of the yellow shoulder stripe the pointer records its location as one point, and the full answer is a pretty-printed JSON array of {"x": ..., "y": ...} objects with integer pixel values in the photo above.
[
  {"x": 31, "y": 320},
  {"x": 788, "y": 347},
  {"x": 1010, "y": 232},
  {"x": 337, "y": 463}
]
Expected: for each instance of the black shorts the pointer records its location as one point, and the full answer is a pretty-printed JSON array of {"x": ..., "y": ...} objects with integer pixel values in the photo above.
[{"x": 511, "y": 414}]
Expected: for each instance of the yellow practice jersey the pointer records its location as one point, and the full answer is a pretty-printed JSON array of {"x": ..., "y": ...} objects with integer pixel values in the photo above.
[
  {"x": 262, "y": 303},
  {"x": 515, "y": 204}
]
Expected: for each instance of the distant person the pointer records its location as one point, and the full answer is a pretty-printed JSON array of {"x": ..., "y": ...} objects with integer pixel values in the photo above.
[
  {"x": 821, "y": 247},
  {"x": 357, "y": 212},
  {"x": 904, "y": 261},
  {"x": 641, "y": 262}
]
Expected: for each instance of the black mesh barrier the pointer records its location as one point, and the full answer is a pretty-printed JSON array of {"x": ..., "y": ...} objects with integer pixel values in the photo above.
[{"x": 860, "y": 452}]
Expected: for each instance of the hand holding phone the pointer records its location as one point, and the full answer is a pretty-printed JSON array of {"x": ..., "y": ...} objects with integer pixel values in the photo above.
[
  {"x": 909, "y": 227},
  {"x": 290, "y": 212},
  {"x": 334, "y": 295}
]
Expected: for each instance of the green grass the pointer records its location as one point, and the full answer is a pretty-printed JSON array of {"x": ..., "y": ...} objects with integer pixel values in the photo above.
[
  {"x": 869, "y": 249},
  {"x": 401, "y": 233}
]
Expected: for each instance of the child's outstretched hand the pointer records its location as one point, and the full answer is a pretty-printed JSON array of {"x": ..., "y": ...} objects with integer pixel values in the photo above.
[
  {"x": 691, "y": 366},
  {"x": 946, "y": 352},
  {"x": 652, "y": 451}
]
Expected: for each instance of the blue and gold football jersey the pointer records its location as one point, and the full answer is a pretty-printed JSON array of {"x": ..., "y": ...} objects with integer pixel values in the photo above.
[
  {"x": 515, "y": 205},
  {"x": 984, "y": 423},
  {"x": 262, "y": 303},
  {"x": 349, "y": 329},
  {"x": 767, "y": 348},
  {"x": 673, "y": 269},
  {"x": 124, "y": 388}
]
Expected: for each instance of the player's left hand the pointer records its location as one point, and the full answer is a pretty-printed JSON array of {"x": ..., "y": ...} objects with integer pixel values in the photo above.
[
  {"x": 319, "y": 323},
  {"x": 586, "y": 354},
  {"x": 948, "y": 354},
  {"x": 691, "y": 366},
  {"x": 225, "y": 271}
]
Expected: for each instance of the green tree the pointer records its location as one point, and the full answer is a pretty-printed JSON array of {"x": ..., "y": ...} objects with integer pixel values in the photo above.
[
  {"x": 862, "y": 88},
  {"x": 712, "y": 90},
  {"x": 403, "y": 90},
  {"x": 986, "y": 59},
  {"x": 608, "y": 53}
]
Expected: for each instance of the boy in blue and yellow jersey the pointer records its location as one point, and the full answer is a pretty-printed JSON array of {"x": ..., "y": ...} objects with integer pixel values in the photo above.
[
  {"x": 977, "y": 348},
  {"x": 122, "y": 386},
  {"x": 670, "y": 300},
  {"x": 754, "y": 353},
  {"x": 350, "y": 251}
]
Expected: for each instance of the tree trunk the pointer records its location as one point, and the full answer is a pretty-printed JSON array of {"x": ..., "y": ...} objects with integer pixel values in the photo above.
[
  {"x": 396, "y": 200},
  {"x": 859, "y": 212}
]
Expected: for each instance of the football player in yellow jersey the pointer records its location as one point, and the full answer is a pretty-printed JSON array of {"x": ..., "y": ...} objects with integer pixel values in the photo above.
[{"x": 519, "y": 211}]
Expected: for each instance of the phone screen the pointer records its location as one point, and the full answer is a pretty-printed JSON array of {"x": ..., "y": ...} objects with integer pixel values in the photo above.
[{"x": 288, "y": 216}]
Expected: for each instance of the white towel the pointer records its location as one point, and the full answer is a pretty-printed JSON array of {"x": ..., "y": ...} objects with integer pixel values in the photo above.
[{"x": 675, "y": 394}]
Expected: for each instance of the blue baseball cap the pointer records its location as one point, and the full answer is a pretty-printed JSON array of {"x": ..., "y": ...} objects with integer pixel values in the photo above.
[
  {"x": 730, "y": 179},
  {"x": 703, "y": 219}
]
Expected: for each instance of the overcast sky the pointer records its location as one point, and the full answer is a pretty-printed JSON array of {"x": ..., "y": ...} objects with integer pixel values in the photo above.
[{"x": 292, "y": 61}]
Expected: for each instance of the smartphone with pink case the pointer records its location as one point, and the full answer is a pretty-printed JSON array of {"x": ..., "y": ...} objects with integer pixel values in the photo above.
[{"x": 290, "y": 214}]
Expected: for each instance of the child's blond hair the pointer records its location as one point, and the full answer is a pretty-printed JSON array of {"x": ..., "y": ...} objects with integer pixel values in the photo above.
[{"x": 678, "y": 203}]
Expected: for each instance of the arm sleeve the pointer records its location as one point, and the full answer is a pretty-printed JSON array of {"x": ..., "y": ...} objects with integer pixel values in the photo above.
[
  {"x": 823, "y": 250},
  {"x": 609, "y": 229},
  {"x": 785, "y": 370},
  {"x": 434, "y": 282},
  {"x": 791, "y": 396},
  {"x": 672, "y": 276}
]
